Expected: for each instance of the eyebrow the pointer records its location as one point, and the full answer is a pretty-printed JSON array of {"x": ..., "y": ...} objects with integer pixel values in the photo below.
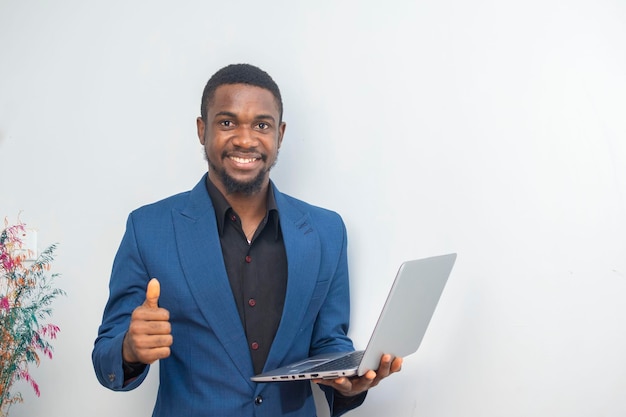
[{"x": 234, "y": 116}]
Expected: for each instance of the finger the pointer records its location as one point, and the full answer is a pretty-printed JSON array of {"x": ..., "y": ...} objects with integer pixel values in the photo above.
[
  {"x": 385, "y": 366},
  {"x": 161, "y": 353},
  {"x": 396, "y": 365},
  {"x": 385, "y": 360},
  {"x": 149, "y": 356},
  {"x": 154, "y": 342},
  {"x": 153, "y": 323},
  {"x": 152, "y": 294}
]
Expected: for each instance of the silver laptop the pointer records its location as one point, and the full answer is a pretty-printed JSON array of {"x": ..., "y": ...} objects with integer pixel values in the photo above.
[{"x": 399, "y": 331}]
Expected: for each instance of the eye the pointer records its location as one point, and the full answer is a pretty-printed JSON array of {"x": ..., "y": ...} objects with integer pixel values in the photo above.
[
  {"x": 226, "y": 123},
  {"x": 263, "y": 126}
]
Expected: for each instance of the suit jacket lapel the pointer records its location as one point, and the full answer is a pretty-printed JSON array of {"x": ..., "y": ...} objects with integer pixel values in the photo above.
[
  {"x": 202, "y": 261},
  {"x": 302, "y": 245}
]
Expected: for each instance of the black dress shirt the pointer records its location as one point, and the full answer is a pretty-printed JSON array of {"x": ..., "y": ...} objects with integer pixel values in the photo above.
[{"x": 257, "y": 271}]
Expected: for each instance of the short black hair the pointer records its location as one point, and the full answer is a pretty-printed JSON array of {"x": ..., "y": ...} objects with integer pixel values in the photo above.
[{"x": 239, "y": 74}]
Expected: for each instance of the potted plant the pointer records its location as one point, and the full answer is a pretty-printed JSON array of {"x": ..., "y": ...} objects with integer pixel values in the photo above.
[{"x": 26, "y": 295}]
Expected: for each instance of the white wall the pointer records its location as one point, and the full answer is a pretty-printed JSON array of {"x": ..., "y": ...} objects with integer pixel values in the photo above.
[{"x": 495, "y": 129}]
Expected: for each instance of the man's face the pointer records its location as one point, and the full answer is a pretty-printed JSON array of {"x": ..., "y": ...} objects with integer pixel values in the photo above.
[{"x": 241, "y": 138}]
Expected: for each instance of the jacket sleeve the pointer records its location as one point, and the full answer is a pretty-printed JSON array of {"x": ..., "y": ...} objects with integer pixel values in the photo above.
[{"x": 127, "y": 288}]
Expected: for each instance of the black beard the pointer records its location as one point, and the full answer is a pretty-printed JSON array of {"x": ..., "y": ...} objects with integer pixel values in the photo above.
[{"x": 234, "y": 186}]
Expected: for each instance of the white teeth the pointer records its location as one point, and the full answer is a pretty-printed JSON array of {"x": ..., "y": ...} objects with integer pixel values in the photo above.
[{"x": 242, "y": 160}]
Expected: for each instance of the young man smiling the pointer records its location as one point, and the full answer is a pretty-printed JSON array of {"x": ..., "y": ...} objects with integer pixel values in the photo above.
[{"x": 231, "y": 278}]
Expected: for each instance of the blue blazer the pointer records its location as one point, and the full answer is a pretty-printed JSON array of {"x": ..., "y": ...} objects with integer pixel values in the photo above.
[{"x": 209, "y": 369}]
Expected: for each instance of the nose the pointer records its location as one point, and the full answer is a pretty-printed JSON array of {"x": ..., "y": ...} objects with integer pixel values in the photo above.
[{"x": 245, "y": 138}]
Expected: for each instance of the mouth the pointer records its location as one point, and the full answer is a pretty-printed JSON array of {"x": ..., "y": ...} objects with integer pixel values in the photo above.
[{"x": 243, "y": 160}]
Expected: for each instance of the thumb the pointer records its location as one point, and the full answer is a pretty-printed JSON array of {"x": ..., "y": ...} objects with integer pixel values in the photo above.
[{"x": 152, "y": 294}]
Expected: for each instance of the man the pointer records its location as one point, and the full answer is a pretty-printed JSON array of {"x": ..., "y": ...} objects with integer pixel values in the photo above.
[{"x": 246, "y": 278}]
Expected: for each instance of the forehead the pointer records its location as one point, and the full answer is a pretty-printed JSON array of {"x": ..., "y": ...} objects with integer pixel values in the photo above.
[{"x": 238, "y": 98}]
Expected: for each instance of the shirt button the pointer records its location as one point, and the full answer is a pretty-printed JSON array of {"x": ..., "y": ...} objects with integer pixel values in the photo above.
[
  {"x": 258, "y": 400},
  {"x": 248, "y": 259},
  {"x": 233, "y": 218},
  {"x": 254, "y": 345},
  {"x": 252, "y": 302}
]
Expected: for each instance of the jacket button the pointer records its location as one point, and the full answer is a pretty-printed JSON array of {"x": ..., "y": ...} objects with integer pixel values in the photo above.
[
  {"x": 258, "y": 400},
  {"x": 111, "y": 377}
]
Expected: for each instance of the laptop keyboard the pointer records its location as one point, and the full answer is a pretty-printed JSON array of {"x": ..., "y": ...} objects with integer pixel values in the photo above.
[{"x": 348, "y": 361}]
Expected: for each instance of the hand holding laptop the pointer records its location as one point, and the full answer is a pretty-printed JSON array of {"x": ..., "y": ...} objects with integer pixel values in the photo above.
[
  {"x": 398, "y": 333},
  {"x": 412, "y": 299},
  {"x": 351, "y": 386}
]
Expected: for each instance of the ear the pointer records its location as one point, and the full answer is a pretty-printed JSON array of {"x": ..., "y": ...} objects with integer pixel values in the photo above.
[
  {"x": 281, "y": 133},
  {"x": 200, "y": 126}
]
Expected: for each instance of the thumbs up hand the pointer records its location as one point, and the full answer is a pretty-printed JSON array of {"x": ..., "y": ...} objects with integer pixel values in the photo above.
[{"x": 149, "y": 335}]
